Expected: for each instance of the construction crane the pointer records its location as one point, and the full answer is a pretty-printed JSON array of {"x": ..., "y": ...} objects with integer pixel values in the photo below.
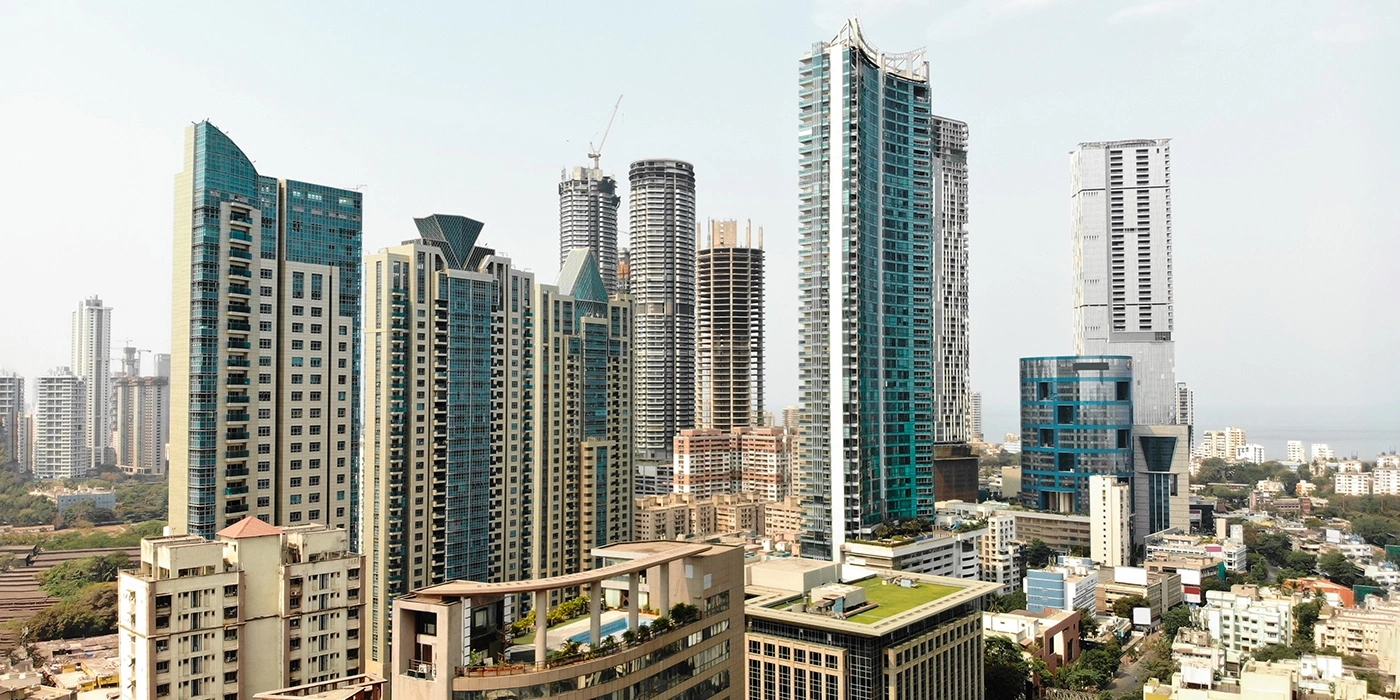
[
  {"x": 596, "y": 153},
  {"x": 131, "y": 358}
]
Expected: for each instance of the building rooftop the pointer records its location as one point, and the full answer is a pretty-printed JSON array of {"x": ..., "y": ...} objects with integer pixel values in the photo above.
[
  {"x": 894, "y": 605},
  {"x": 249, "y": 527}
]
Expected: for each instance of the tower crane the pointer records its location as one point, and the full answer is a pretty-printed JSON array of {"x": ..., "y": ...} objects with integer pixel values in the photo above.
[{"x": 596, "y": 153}]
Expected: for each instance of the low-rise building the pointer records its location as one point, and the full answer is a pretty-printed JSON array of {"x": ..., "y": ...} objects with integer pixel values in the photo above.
[
  {"x": 1372, "y": 629},
  {"x": 1200, "y": 659},
  {"x": 1352, "y": 483},
  {"x": 913, "y": 636},
  {"x": 1070, "y": 584},
  {"x": 203, "y": 618},
  {"x": 937, "y": 553},
  {"x": 1161, "y": 589},
  {"x": 1193, "y": 572},
  {"x": 1305, "y": 488},
  {"x": 1336, "y": 595},
  {"x": 1241, "y": 623},
  {"x": 1388, "y": 460},
  {"x": 1231, "y": 551},
  {"x": 1386, "y": 481},
  {"x": 783, "y": 516},
  {"x": 103, "y": 499},
  {"x": 1307, "y": 678},
  {"x": 448, "y": 638},
  {"x": 1052, "y": 636}
]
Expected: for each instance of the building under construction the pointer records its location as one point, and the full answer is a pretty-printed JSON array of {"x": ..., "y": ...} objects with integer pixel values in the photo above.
[{"x": 729, "y": 329}]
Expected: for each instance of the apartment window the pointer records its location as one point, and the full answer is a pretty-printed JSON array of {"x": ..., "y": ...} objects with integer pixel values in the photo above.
[
  {"x": 296, "y": 518},
  {"x": 264, "y": 483},
  {"x": 296, "y": 395},
  {"x": 264, "y": 466},
  {"x": 298, "y": 327},
  {"x": 265, "y": 273},
  {"x": 162, "y": 666},
  {"x": 265, "y": 291},
  {"x": 296, "y": 482},
  {"x": 264, "y": 431},
  {"x": 264, "y": 413},
  {"x": 1121, "y": 391},
  {"x": 264, "y": 501},
  {"x": 264, "y": 308},
  {"x": 265, "y": 326},
  {"x": 297, "y": 379},
  {"x": 298, "y": 310},
  {"x": 264, "y": 378},
  {"x": 296, "y": 430},
  {"x": 264, "y": 396},
  {"x": 296, "y": 464},
  {"x": 265, "y": 343},
  {"x": 297, "y": 361},
  {"x": 315, "y": 329},
  {"x": 162, "y": 690},
  {"x": 264, "y": 449}
]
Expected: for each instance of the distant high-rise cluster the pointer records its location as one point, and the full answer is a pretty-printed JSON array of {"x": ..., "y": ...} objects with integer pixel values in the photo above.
[{"x": 883, "y": 303}]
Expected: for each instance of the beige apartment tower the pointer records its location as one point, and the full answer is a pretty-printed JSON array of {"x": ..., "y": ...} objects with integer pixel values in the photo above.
[
  {"x": 729, "y": 329},
  {"x": 265, "y": 354}
]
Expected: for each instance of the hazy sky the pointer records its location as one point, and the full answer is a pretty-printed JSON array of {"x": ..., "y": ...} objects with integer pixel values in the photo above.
[{"x": 1286, "y": 150}]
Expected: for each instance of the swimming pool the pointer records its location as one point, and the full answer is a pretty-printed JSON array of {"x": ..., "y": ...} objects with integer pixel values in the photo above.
[{"x": 607, "y": 630}]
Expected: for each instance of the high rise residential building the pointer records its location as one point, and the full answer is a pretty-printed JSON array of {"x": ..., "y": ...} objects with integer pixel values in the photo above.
[
  {"x": 1186, "y": 411},
  {"x": 91, "y": 361},
  {"x": 1120, "y": 208},
  {"x": 882, "y": 359},
  {"x": 1076, "y": 423},
  {"x": 524, "y": 399},
  {"x": 1295, "y": 452},
  {"x": 584, "y": 408},
  {"x": 624, "y": 271},
  {"x": 256, "y": 609},
  {"x": 661, "y": 279},
  {"x": 729, "y": 329},
  {"x": 265, "y": 366},
  {"x": 14, "y": 448},
  {"x": 792, "y": 418},
  {"x": 430, "y": 366},
  {"x": 974, "y": 415},
  {"x": 143, "y": 423},
  {"x": 1321, "y": 451},
  {"x": 1110, "y": 512},
  {"x": 588, "y": 202},
  {"x": 1223, "y": 444},
  {"x": 60, "y": 445}
]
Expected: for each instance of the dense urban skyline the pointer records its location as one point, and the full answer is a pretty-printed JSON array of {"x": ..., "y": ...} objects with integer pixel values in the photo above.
[{"x": 1251, "y": 310}]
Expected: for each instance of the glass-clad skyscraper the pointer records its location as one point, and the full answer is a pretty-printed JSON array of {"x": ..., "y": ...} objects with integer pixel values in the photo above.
[
  {"x": 265, "y": 363},
  {"x": 1076, "y": 422},
  {"x": 882, "y": 185}
]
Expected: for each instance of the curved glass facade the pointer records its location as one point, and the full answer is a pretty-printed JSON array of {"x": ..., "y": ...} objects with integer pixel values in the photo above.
[{"x": 1076, "y": 422}]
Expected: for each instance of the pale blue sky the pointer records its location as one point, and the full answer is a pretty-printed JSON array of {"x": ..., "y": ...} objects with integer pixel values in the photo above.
[{"x": 1283, "y": 115}]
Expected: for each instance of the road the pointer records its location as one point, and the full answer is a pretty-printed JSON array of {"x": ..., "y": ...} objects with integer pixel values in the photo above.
[{"x": 1131, "y": 675}]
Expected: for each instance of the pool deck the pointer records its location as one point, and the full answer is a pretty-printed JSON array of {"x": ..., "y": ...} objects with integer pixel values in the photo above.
[{"x": 558, "y": 635}]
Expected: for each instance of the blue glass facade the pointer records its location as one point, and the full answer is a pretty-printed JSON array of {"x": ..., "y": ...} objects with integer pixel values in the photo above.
[{"x": 1076, "y": 422}]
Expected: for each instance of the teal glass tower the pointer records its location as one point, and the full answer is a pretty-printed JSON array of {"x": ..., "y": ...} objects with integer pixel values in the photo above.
[
  {"x": 882, "y": 207},
  {"x": 265, "y": 363}
]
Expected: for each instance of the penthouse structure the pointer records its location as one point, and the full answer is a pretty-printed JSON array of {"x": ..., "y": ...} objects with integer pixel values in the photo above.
[
  {"x": 256, "y": 609},
  {"x": 449, "y": 645}
]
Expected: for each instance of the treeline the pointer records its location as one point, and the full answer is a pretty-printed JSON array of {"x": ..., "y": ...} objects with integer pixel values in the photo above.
[
  {"x": 87, "y": 604},
  {"x": 130, "y": 536},
  {"x": 139, "y": 499}
]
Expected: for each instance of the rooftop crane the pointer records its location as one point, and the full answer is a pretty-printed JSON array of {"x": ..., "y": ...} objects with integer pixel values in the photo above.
[{"x": 596, "y": 153}]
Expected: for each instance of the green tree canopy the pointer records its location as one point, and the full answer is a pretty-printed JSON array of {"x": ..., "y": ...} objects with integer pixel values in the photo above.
[
  {"x": 1037, "y": 554},
  {"x": 1123, "y": 607},
  {"x": 1005, "y": 671},
  {"x": 1175, "y": 618},
  {"x": 1338, "y": 569},
  {"x": 68, "y": 578}
]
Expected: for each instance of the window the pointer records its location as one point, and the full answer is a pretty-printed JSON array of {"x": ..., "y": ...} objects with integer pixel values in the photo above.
[
  {"x": 296, "y": 395},
  {"x": 296, "y": 430},
  {"x": 264, "y": 378},
  {"x": 264, "y": 431},
  {"x": 264, "y": 413},
  {"x": 298, "y": 310},
  {"x": 264, "y": 466},
  {"x": 296, "y": 361},
  {"x": 296, "y": 483},
  {"x": 1064, "y": 414},
  {"x": 264, "y": 501},
  {"x": 264, "y": 396},
  {"x": 264, "y": 483},
  {"x": 264, "y": 308},
  {"x": 1121, "y": 391},
  {"x": 265, "y": 326},
  {"x": 315, "y": 329},
  {"x": 1047, "y": 437},
  {"x": 265, "y": 291},
  {"x": 265, "y": 343},
  {"x": 1043, "y": 391},
  {"x": 298, "y": 327}
]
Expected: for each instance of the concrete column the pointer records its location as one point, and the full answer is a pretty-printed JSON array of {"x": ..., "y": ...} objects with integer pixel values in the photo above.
[
  {"x": 595, "y": 613},
  {"x": 661, "y": 589},
  {"x": 634, "y": 598},
  {"x": 541, "y": 626}
]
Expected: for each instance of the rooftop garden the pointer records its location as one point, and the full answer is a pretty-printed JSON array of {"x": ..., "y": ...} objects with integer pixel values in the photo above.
[{"x": 892, "y": 599}]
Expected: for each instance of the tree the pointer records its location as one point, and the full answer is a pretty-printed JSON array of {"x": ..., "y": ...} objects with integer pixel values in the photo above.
[
  {"x": 1159, "y": 663},
  {"x": 1008, "y": 602},
  {"x": 1274, "y": 652},
  {"x": 1038, "y": 554},
  {"x": 1275, "y": 546},
  {"x": 92, "y": 611},
  {"x": 68, "y": 578},
  {"x": 1301, "y": 561},
  {"x": 1005, "y": 671},
  {"x": 1375, "y": 529},
  {"x": 1338, "y": 569},
  {"x": 1123, "y": 607},
  {"x": 1174, "y": 619},
  {"x": 1305, "y": 616},
  {"x": 1088, "y": 624}
]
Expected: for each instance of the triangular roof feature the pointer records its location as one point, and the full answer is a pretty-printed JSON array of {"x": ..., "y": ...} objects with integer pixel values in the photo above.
[{"x": 249, "y": 527}]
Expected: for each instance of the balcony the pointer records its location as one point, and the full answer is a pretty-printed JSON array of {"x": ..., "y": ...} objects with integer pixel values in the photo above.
[
  {"x": 240, "y": 254},
  {"x": 239, "y": 326},
  {"x": 238, "y": 362},
  {"x": 240, "y": 289},
  {"x": 236, "y": 416},
  {"x": 238, "y": 308},
  {"x": 236, "y": 472},
  {"x": 237, "y": 454},
  {"x": 241, "y": 272},
  {"x": 238, "y": 398},
  {"x": 239, "y": 507},
  {"x": 236, "y": 490},
  {"x": 238, "y": 344},
  {"x": 237, "y": 235},
  {"x": 237, "y": 380}
]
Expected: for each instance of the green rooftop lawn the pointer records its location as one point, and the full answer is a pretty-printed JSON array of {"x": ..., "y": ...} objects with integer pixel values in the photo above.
[{"x": 894, "y": 599}]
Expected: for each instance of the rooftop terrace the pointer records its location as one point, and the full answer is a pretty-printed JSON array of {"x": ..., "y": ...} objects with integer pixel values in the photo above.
[{"x": 894, "y": 605}]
